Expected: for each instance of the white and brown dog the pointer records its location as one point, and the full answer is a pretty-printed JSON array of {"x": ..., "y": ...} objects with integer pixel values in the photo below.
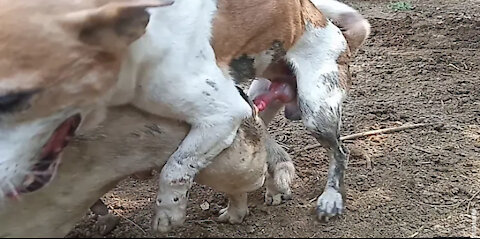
[{"x": 183, "y": 70}]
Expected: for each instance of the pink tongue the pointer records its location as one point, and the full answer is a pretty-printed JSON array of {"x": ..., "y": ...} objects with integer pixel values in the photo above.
[
  {"x": 278, "y": 91},
  {"x": 58, "y": 139}
]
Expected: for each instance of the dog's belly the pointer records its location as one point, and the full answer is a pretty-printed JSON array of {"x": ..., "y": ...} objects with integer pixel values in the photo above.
[{"x": 239, "y": 170}]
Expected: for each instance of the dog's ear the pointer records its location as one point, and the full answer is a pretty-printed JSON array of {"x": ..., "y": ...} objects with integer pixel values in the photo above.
[{"x": 112, "y": 26}]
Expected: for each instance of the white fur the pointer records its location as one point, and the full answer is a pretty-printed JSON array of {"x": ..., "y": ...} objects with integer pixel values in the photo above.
[
  {"x": 262, "y": 61},
  {"x": 310, "y": 61},
  {"x": 332, "y": 8},
  {"x": 355, "y": 26}
]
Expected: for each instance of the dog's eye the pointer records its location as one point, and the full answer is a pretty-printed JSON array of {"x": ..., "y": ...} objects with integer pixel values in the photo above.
[{"x": 14, "y": 101}]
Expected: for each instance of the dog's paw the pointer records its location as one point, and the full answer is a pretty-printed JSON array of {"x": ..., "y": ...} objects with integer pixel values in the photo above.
[
  {"x": 274, "y": 199},
  {"x": 278, "y": 185},
  {"x": 170, "y": 211},
  {"x": 232, "y": 216},
  {"x": 167, "y": 218},
  {"x": 105, "y": 224},
  {"x": 329, "y": 204}
]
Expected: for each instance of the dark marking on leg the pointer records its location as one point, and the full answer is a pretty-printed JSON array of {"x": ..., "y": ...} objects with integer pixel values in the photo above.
[
  {"x": 201, "y": 55},
  {"x": 329, "y": 80},
  {"x": 212, "y": 84},
  {"x": 242, "y": 68},
  {"x": 279, "y": 51}
]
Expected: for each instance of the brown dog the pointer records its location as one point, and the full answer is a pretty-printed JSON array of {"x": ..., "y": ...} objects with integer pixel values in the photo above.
[{"x": 59, "y": 62}]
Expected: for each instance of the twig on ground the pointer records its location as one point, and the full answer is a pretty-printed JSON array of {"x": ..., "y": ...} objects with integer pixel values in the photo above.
[
  {"x": 130, "y": 221},
  {"x": 421, "y": 149},
  {"x": 455, "y": 205},
  {"x": 204, "y": 221},
  {"x": 388, "y": 130},
  {"x": 470, "y": 201},
  {"x": 418, "y": 232},
  {"x": 454, "y": 66},
  {"x": 375, "y": 132}
]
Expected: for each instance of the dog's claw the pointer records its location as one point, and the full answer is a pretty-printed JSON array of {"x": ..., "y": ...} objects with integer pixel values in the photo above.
[
  {"x": 170, "y": 212},
  {"x": 329, "y": 205}
]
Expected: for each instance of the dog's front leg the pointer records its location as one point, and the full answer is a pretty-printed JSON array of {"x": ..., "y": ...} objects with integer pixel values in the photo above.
[
  {"x": 200, "y": 146},
  {"x": 215, "y": 112}
]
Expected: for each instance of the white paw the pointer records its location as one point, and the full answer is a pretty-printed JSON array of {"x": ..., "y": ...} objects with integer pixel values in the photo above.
[
  {"x": 231, "y": 216},
  {"x": 170, "y": 211},
  {"x": 329, "y": 204}
]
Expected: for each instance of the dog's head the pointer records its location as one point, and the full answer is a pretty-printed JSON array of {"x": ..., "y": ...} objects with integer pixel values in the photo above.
[{"x": 58, "y": 61}]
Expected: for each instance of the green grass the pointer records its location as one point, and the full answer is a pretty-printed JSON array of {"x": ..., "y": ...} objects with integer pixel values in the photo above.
[{"x": 401, "y": 6}]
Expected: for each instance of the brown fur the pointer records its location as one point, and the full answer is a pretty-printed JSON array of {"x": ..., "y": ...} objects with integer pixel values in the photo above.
[{"x": 251, "y": 26}]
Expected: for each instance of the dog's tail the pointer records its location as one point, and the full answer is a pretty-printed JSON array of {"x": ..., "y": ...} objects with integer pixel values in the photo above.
[
  {"x": 281, "y": 170},
  {"x": 355, "y": 27}
]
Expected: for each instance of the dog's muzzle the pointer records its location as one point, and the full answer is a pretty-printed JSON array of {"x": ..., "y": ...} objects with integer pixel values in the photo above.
[{"x": 46, "y": 166}]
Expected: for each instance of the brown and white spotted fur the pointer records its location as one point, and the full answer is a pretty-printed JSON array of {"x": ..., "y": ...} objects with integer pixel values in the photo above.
[{"x": 304, "y": 60}]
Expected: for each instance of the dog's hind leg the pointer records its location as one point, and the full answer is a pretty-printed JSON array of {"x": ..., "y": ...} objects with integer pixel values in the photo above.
[
  {"x": 319, "y": 63},
  {"x": 236, "y": 210},
  {"x": 280, "y": 174}
]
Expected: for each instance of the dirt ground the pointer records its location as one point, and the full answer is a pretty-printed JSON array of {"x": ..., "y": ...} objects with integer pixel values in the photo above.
[{"x": 421, "y": 65}]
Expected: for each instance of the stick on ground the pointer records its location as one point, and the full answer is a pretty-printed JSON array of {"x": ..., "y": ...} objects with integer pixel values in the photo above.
[{"x": 378, "y": 131}]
